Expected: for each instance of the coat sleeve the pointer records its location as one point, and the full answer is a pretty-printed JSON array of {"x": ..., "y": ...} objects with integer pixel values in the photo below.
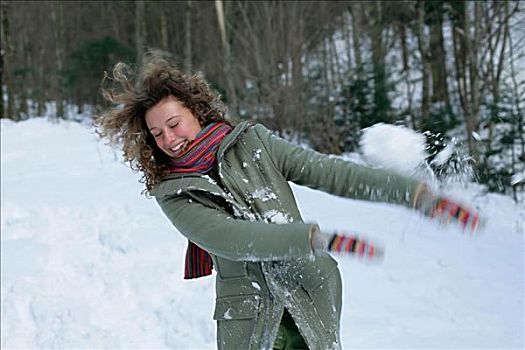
[
  {"x": 337, "y": 176},
  {"x": 234, "y": 239}
]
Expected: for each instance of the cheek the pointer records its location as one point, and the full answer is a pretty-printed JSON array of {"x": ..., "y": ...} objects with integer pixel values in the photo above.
[{"x": 197, "y": 128}]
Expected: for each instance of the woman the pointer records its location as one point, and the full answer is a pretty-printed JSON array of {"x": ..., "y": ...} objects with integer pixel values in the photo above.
[{"x": 226, "y": 189}]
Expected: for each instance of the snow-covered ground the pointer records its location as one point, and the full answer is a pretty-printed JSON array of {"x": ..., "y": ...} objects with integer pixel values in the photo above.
[{"x": 87, "y": 262}]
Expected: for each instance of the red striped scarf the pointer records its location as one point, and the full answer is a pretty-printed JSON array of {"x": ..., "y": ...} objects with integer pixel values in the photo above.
[{"x": 200, "y": 157}]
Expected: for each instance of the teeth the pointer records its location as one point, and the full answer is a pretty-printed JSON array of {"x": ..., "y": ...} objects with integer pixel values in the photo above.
[{"x": 176, "y": 148}]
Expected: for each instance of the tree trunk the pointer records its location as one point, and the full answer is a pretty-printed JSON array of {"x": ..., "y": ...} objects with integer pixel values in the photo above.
[
  {"x": 356, "y": 12},
  {"x": 348, "y": 45},
  {"x": 7, "y": 64},
  {"x": 438, "y": 59},
  {"x": 140, "y": 30},
  {"x": 164, "y": 44},
  {"x": 187, "y": 36},
  {"x": 221, "y": 18},
  {"x": 21, "y": 88},
  {"x": 518, "y": 100},
  {"x": 111, "y": 8},
  {"x": 472, "y": 117},
  {"x": 298, "y": 88},
  {"x": 406, "y": 75},
  {"x": 325, "y": 136},
  {"x": 494, "y": 69},
  {"x": 425, "y": 64},
  {"x": 40, "y": 74},
  {"x": 337, "y": 79},
  {"x": 381, "y": 100},
  {"x": 58, "y": 26},
  {"x": 465, "y": 48}
]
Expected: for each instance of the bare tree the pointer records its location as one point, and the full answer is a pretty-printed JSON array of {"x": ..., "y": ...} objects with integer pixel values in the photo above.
[
  {"x": 187, "y": 26},
  {"x": 7, "y": 61},
  {"x": 164, "y": 45},
  {"x": 518, "y": 95},
  {"x": 496, "y": 37},
  {"x": 227, "y": 54},
  {"x": 272, "y": 55},
  {"x": 434, "y": 88},
  {"x": 466, "y": 37},
  {"x": 140, "y": 29},
  {"x": 375, "y": 31},
  {"x": 57, "y": 16},
  {"x": 438, "y": 55},
  {"x": 424, "y": 53},
  {"x": 357, "y": 13}
]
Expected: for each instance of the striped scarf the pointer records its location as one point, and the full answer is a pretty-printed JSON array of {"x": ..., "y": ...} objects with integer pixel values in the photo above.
[{"x": 200, "y": 157}]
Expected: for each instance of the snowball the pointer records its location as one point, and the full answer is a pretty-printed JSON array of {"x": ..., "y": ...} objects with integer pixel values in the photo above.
[{"x": 394, "y": 147}]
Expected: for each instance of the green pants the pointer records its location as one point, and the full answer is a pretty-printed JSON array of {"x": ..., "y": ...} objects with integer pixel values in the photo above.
[{"x": 288, "y": 336}]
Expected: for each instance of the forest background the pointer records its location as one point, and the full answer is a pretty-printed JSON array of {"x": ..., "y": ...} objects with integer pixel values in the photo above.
[{"x": 316, "y": 72}]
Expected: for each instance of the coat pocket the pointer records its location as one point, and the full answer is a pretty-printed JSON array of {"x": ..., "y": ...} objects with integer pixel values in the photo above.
[
  {"x": 230, "y": 269},
  {"x": 239, "y": 307},
  {"x": 236, "y": 320}
]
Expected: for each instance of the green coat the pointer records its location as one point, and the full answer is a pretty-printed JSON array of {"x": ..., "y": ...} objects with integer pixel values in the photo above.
[{"x": 251, "y": 226}]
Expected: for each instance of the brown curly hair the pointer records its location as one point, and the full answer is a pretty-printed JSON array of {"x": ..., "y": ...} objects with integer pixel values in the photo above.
[{"x": 132, "y": 95}]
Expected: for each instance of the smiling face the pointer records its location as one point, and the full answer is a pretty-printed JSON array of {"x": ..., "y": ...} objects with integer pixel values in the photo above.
[{"x": 172, "y": 125}]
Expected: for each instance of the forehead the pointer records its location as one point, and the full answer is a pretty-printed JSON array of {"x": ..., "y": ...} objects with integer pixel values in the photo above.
[{"x": 164, "y": 109}]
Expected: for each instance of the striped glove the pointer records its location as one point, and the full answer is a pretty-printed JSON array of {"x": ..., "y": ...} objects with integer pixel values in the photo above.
[
  {"x": 346, "y": 244},
  {"x": 447, "y": 210}
]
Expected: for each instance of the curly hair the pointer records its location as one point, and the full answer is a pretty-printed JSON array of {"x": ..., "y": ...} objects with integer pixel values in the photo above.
[{"x": 132, "y": 95}]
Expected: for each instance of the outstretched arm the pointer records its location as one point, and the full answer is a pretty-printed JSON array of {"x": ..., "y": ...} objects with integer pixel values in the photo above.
[
  {"x": 235, "y": 239},
  {"x": 336, "y": 176},
  {"x": 346, "y": 179}
]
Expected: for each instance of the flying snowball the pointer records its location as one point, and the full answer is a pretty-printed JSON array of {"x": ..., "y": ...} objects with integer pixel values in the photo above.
[{"x": 393, "y": 147}]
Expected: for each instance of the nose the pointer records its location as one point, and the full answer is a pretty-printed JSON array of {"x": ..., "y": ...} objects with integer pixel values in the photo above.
[{"x": 169, "y": 137}]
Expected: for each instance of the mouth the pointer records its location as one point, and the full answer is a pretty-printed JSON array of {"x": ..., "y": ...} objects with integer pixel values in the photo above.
[{"x": 180, "y": 147}]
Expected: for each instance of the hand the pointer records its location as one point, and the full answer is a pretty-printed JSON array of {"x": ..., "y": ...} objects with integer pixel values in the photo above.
[
  {"x": 351, "y": 244},
  {"x": 347, "y": 244},
  {"x": 447, "y": 210}
]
